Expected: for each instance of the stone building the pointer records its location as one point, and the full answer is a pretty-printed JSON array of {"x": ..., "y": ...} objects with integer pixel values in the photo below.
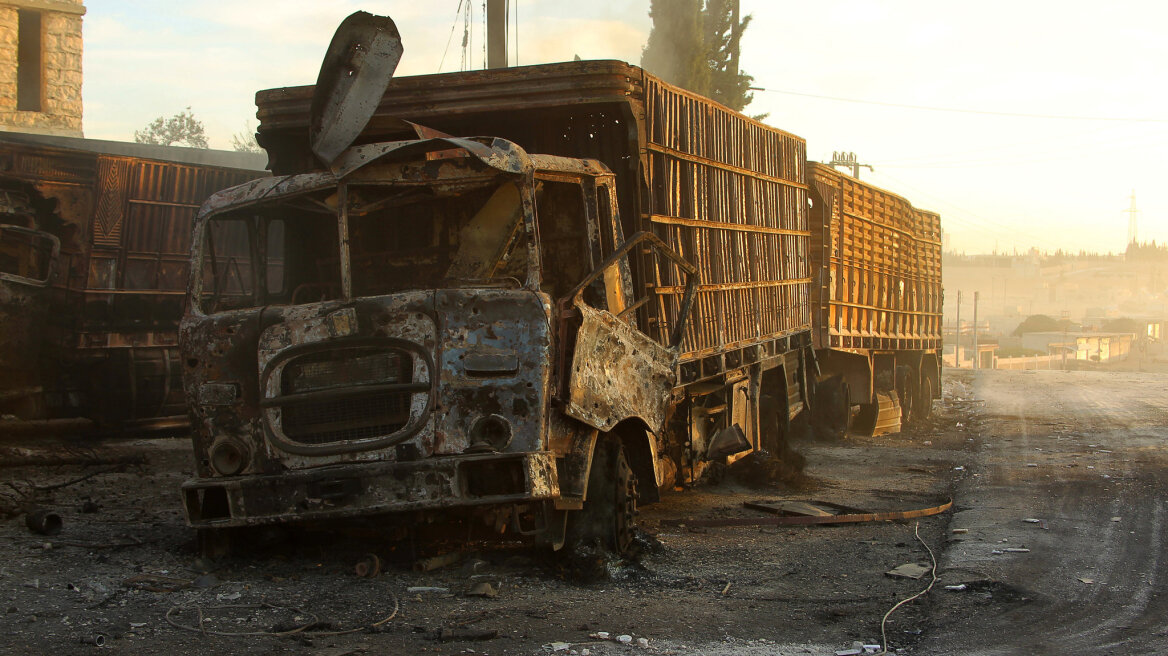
[{"x": 40, "y": 66}]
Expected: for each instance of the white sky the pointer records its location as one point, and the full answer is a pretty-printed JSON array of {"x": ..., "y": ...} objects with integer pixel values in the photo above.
[{"x": 998, "y": 181}]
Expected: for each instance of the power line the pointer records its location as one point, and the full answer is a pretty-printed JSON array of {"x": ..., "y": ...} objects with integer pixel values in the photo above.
[
  {"x": 1062, "y": 117},
  {"x": 457, "y": 12},
  {"x": 973, "y": 219}
]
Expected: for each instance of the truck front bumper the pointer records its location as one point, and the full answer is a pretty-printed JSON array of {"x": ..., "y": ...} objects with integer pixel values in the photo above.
[{"x": 371, "y": 488}]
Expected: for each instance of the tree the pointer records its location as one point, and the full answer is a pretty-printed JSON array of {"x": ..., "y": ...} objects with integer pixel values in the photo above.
[
  {"x": 245, "y": 142},
  {"x": 1123, "y": 325},
  {"x": 694, "y": 44},
  {"x": 676, "y": 49},
  {"x": 182, "y": 129},
  {"x": 1041, "y": 323},
  {"x": 722, "y": 31}
]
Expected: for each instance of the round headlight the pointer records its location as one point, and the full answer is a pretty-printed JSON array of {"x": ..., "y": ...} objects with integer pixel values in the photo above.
[
  {"x": 493, "y": 432},
  {"x": 228, "y": 458}
]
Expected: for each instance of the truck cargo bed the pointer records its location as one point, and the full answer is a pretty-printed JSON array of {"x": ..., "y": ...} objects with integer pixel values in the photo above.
[{"x": 879, "y": 264}]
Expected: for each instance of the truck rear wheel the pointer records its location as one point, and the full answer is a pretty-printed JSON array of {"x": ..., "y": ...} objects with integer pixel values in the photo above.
[
  {"x": 609, "y": 516},
  {"x": 832, "y": 410},
  {"x": 924, "y": 402},
  {"x": 906, "y": 393}
]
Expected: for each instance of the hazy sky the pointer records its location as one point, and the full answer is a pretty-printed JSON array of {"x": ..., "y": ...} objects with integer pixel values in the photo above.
[{"x": 1010, "y": 181}]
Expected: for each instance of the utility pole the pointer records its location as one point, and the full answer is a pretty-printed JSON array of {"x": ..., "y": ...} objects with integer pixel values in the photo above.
[
  {"x": 957, "y": 348},
  {"x": 841, "y": 158},
  {"x": 976, "y": 355},
  {"x": 1132, "y": 213},
  {"x": 496, "y": 33}
]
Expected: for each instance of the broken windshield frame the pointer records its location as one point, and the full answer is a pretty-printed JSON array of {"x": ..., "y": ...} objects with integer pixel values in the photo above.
[{"x": 465, "y": 230}]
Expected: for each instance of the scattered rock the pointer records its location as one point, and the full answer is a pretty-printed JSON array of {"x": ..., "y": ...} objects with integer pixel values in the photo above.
[
  {"x": 418, "y": 589},
  {"x": 205, "y": 581},
  {"x": 483, "y": 589},
  {"x": 908, "y": 571}
]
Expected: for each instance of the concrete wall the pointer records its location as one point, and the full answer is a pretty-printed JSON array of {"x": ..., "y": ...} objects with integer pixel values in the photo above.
[{"x": 61, "y": 45}]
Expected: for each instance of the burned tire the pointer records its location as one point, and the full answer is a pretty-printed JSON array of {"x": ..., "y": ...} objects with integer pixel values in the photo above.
[
  {"x": 906, "y": 393},
  {"x": 609, "y": 516},
  {"x": 833, "y": 409},
  {"x": 924, "y": 402},
  {"x": 864, "y": 422}
]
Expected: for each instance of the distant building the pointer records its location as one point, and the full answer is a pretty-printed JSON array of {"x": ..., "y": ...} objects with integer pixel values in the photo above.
[
  {"x": 1093, "y": 347},
  {"x": 40, "y": 66}
]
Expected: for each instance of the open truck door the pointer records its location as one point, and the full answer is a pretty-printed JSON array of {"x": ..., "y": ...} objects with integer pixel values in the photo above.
[{"x": 618, "y": 371}]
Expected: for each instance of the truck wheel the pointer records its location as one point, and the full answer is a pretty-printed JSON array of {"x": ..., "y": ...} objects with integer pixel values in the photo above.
[
  {"x": 609, "y": 516},
  {"x": 906, "y": 393},
  {"x": 833, "y": 409},
  {"x": 924, "y": 402},
  {"x": 864, "y": 422}
]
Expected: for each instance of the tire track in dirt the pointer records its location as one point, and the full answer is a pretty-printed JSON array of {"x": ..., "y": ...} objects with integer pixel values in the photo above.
[{"x": 1074, "y": 449}]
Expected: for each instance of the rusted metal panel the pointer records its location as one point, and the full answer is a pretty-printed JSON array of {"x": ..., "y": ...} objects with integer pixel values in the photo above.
[
  {"x": 618, "y": 372},
  {"x": 27, "y": 262},
  {"x": 879, "y": 262},
  {"x": 123, "y": 214},
  {"x": 728, "y": 193},
  {"x": 339, "y": 491},
  {"x": 357, "y": 67}
]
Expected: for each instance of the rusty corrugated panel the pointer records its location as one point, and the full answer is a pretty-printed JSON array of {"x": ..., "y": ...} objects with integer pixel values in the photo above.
[
  {"x": 113, "y": 177},
  {"x": 884, "y": 265},
  {"x": 124, "y": 224},
  {"x": 728, "y": 194}
]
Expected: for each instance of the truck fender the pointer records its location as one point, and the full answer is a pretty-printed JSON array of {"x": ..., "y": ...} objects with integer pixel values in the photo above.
[{"x": 856, "y": 370}]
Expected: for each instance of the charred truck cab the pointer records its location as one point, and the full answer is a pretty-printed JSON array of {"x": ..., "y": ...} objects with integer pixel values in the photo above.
[{"x": 432, "y": 325}]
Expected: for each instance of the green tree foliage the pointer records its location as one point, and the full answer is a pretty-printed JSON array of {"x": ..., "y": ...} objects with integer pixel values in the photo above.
[
  {"x": 722, "y": 32},
  {"x": 245, "y": 142},
  {"x": 694, "y": 45},
  {"x": 1123, "y": 325},
  {"x": 182, "y": 129},
  {"x": 676, "y": 52},
  {"x": 1041, "y": 323}
]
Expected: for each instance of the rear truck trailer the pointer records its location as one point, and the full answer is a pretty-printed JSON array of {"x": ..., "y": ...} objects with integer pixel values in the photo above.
[
  {"x": 876, "y": 301},
  {"x": 452, "y": 331},
  {"x": 93, "y": 271}
]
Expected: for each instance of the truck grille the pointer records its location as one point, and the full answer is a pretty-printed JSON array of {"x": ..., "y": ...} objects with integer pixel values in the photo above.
[
  {"x": 343, "y": 395},
  {"x": 342, "y": 367},
  {"x": 352, "y": 418}
]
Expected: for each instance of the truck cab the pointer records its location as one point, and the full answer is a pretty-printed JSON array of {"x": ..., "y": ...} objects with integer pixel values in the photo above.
[{"x": 436, "y": 325}]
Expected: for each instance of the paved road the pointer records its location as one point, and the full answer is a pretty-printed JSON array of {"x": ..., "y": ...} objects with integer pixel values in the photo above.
[{"x": 1086, "y": 454}]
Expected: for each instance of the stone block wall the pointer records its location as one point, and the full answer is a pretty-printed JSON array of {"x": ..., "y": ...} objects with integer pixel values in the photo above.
[{"x": 61, "y": 47}]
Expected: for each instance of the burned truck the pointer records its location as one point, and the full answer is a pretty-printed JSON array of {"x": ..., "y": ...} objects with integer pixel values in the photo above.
[
  {"x": 94, "y": 256},
  {"x": 877, "y": 302},
  {"x": 28, "y": 259},
  {"x": 527, "y": 333}
]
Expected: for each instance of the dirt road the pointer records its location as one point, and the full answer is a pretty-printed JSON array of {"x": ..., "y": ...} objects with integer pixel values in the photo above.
[
  {"x": 129, "y": 571},
  {"x": 1085, "y": 454}
]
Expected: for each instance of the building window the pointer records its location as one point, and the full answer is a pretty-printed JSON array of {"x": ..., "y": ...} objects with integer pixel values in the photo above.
[{"x": 29, "y": 62}]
